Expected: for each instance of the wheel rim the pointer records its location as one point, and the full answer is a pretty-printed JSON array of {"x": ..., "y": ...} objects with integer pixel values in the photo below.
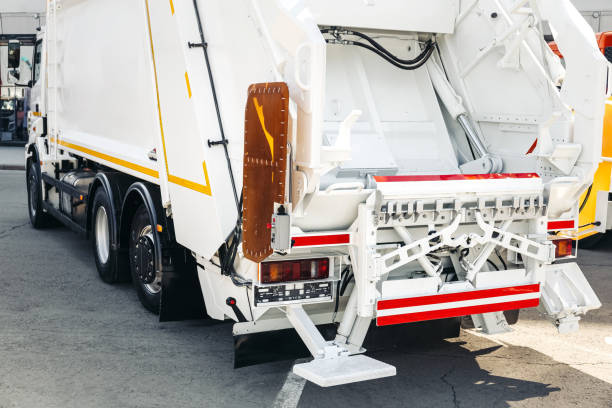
[
  {"x": 145, "y": 258},
  {"x": 33, "y": 193},
  {"x": 102, "y": 235}
]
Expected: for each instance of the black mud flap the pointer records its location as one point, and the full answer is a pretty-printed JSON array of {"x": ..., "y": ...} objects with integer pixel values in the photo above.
[
  {"x": 279, "y": 345},
  {"x": 181, "y": 295}
]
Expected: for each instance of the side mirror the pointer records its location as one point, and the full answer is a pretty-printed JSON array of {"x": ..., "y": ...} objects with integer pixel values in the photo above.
[{"x": 14, "y": 54}]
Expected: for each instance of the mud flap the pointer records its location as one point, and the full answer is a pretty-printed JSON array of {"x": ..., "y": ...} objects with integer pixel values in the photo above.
[
  {"x": 566, "y": 295},
  {"x": 181, "y": 295}
]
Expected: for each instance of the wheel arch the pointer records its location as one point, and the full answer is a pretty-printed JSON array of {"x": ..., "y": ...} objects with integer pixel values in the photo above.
[
  {"x": 140, "y": 193},
  {"x": 33, "y": 155},
  {"x": 113, "y": 185},
  {"x": 105, "y": 181}
]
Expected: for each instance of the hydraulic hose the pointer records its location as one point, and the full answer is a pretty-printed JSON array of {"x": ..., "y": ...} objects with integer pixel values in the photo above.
[
  {"x": 378, "y": 46},
  {"x": 378, "y": 49}
]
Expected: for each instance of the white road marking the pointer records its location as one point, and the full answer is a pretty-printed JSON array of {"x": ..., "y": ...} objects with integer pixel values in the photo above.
[
  {"x": 477, "y": 332},
  {"x": 289, "y": 396}
]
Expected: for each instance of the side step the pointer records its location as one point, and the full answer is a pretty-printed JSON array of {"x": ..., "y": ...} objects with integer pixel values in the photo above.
[{"x": 343, "y": 370}]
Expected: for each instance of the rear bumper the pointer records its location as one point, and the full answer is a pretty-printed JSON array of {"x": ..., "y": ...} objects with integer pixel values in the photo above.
[
  {"x": 447, "y": 305},
  {"x": 414, "y": 300}
]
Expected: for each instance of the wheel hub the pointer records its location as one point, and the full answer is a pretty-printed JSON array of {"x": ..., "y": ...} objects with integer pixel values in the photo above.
[{"x": 144, "y": 259}]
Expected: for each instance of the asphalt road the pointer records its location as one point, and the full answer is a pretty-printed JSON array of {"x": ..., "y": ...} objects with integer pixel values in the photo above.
[{"x": 69, "y": 340}]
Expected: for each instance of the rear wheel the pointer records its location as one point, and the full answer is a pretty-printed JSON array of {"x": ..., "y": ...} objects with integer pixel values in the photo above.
[
  {"x": 146, "y": 278},
  {"x": 512, "y": 316},
  {"x": 103, "y": 231},
  {"x": 38, "y": 217}
]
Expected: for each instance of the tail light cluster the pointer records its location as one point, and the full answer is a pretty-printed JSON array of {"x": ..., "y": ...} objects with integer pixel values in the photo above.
[
  {"x": 563, "y": 247},
  {"x": 294, "y": 270}
]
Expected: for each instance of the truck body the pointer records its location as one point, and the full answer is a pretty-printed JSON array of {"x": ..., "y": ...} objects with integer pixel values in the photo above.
[{"x": 294, "y": 164}]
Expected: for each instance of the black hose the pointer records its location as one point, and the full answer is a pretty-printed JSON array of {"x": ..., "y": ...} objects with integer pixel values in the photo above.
[
  {"x": 586, "y": 198},
  {"x": 378, "y": 46},
  {"x": 388, "y": 59},
  {"x": 500, "y": 258},
  {"x": 216, "y": 102},
  {"x": 490, "y": 262},
  {"x": 378, "y": 49},
  {"x": 596, "y": 224},
  {"x": 346, "y": 282}
]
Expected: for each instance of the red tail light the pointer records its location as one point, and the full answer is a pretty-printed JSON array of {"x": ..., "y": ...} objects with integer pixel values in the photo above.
[
  {"x": 563, "y": 247},
  {"x": 295, "y": 270}
]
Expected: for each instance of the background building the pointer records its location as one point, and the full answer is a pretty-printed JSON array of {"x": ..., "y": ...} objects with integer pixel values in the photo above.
[
  {"x": 19, "y": 18},
  {"x": 597, "y": 12}
]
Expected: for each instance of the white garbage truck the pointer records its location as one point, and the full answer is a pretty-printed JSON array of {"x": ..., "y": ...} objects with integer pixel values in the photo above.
[{"x": 301, "y": 165}]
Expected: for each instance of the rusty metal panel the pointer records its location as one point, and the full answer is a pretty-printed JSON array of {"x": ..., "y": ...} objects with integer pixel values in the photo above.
[{"x": 265, "y": 164}]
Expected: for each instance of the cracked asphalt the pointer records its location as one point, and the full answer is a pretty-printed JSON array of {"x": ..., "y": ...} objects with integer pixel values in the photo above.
[{"x": 69, "y": 340}]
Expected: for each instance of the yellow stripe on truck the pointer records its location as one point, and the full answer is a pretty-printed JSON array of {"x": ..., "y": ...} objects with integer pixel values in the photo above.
[
  {"x": 188, "y": 85},
  {"x": 110, "y": 159},
  {"x": 204, "y": 189},
  {"x": 200, "y": 188}
]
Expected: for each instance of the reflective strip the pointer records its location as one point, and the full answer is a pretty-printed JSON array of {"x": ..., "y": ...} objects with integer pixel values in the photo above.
[
  {"x": 200, "y": 188},
  {"x": 188, "y": 85},
  {"x": 108, "y": 158},
  {"x": 395, "y": 311},
  {"x": 447, "y": 313},
  {"x": 455, "y": 177},
  {"x": 262, "y": 122},
  {"x": 320, "y": 240},
  {"x": 561, "y": 225},
  {"x": 204, "y": 189},
  {"x": 456, "y": 297},
  {"x": 456, "y": 305}
]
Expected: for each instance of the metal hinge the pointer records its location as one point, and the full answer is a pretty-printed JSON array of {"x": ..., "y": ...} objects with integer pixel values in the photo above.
[
  {"x": 197, "y": 45},
  {"x": 212, "y": 143}
]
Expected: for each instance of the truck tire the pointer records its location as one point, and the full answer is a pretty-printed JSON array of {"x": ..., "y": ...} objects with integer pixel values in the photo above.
[
  {"x": 103, "y": 231},
  {"x": 38, "y": 217},
  {"x": 512, "y": 316},
  {"x": 142, "y": 261}
]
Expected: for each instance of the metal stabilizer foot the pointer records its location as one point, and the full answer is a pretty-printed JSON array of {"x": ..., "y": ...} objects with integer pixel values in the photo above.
[
  {"x": 343, "y": 370},
  {"x": 332, "y": 364}
]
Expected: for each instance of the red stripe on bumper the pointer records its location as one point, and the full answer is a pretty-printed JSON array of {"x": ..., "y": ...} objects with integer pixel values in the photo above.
[
  {"x": 318, "y": 240},
  {"x": 560, "y": 225},
  {"x": 456, "y": 297},
  {"x": 461, "y": 311},
  {"x": 455, "y": 177}
]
